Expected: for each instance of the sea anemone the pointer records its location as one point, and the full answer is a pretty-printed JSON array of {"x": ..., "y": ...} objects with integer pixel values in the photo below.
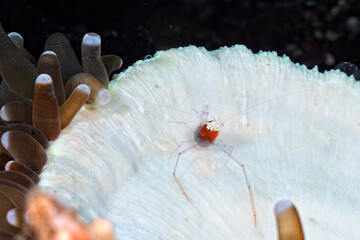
[
  {"x": 115, "y": 161},
  {"x": 35, "y": 110},
  {"x": 296, "y": 131}
]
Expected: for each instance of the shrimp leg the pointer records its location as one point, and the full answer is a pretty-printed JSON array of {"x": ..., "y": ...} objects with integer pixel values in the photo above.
[
  {"x": 251, "y": 195},
  {"x": 174, "y": 172}
]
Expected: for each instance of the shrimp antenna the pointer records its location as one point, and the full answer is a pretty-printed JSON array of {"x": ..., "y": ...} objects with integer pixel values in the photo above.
[
  {"x": 263, "y": 102},
  {"x": 165, "y": 106}
]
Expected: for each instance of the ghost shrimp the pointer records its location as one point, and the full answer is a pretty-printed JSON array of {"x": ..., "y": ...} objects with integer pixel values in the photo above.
[{"x": 204, "y": 136}]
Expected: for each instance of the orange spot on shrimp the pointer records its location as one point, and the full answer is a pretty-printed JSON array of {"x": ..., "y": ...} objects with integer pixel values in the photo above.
[{"x": 207, "y": 132}]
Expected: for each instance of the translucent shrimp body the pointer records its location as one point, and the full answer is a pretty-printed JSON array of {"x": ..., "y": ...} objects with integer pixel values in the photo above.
[
  {"x": 115, "y": 161},
  {"x": 204, "y": 136}
]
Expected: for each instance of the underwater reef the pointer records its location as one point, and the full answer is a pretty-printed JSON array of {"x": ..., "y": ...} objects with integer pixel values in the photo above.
[{"x": 128, "y": 148}]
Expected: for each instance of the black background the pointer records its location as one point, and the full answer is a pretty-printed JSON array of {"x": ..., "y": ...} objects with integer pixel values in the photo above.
[{"x": 310, "y": 32}]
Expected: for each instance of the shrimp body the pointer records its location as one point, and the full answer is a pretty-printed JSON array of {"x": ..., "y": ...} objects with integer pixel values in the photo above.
[
  {"x": 204, "y": 136},
  {"x": 209, "y": 131}
]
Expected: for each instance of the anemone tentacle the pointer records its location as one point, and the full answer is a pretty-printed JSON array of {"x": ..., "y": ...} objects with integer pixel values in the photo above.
[
  {"x": 58, "y": 43},
  {"x": 99, "y": 94},
  {"x": 91, "y": 59},
  {"x": 49, "y": 64},
  {"x": 17, "y": 71},
  {"x": 18, "y": 40},
  {"x": 46, "y": 112}
]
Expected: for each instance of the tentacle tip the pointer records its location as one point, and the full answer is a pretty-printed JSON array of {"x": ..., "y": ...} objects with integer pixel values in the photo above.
[
  {"x": 92, "y": 39},
  {"x": 16, "y": 38},
  {"x": 48, "y": 53},
  {"x": 84, "y": 88},
  {"x": 43, "y": 79},
  {"x": 3, "y": 114},
  {"x": 11, "y": 217},
  {"x": 7, "y": 165},
  {"x": 120, "y": 63},
  {"x": 103, "y": 97},
  {"x": 282, "y": 206},
  {"x": 5, "y": 140},
  {"x": 15, "y": 34}
]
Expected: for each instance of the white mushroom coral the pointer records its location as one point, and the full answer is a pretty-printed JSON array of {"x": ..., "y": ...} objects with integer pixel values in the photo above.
[{"x": 303, "y": 144}]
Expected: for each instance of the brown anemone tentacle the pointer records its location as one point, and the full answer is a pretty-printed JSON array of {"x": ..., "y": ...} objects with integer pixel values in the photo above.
[
  {"x": 73, "y": 104},
  {"x": 18, "y": 72},
  {"x": 18, "y": 40},
  {"x": 5, "y": 205},
  {"x": 16, "y": 217},
  {"x": 91, "y": 59},
  {"x": 17, "y": 111},
  {"x": 7, "y": 95},
  {"x": 17, "y": 177},
  {"x": 16, "y": 166},
  {"x": 288, "y": 221},
  {"x": 49, "y": 64},
  {"x": 69, "y": 64},
  {"x": 16, "y": 196},
  {"x": 46, "y": 113},
  {"x": 4, "y": 159},
  {"x": 24, "y": 149},
  {"x": 14, "y": 185},
  {"x": 111, "y": 63},
  {"x": 4, "y": 85},
  {"x": 5, "y": 235},
  {"x": 32, "y": 131},
  {"x": 99, "y": 94}
]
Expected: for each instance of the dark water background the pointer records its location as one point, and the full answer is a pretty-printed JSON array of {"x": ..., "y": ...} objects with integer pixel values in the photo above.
[{"x": 310, "y": 32}]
